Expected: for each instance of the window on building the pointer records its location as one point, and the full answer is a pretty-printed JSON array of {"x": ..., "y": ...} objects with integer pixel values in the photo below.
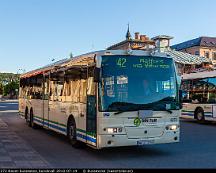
[
  {"x": 214, "y": 56},
  {"x": 207, "y": 54},
  {"x": 197, "y": 53}
]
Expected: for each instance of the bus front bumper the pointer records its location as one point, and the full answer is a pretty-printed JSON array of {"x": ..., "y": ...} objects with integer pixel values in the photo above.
[{"x": 105, "y": 141}]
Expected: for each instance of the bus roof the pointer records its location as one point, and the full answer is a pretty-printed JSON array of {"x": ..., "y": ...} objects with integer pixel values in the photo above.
[
  {"x": 83, "y": 60},
  {"x": 199, "y": 75},
  {"x": 59, "y": 63}
]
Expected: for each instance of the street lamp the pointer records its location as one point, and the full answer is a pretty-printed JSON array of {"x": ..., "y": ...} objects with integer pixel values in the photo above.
[{"x": 20, "y": 69}]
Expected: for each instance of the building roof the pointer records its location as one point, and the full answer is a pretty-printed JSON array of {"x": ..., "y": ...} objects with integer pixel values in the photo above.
[
  {"x": 151, "y": 42},
  {"x": 128, "y": 34},
  {"x": 186, "y": 58},
  {"x": 162, "y": 37},
  {"x": 199, "y": 75},
  {"x": 200, "y": 41}
]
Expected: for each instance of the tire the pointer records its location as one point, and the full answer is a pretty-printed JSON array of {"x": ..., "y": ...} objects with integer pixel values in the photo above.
[
  {"x": 71, "y": 133},
  {"x": 200, "y": 115},
  {"x": 31, "y": 122},
  {"x": 27, "y": 116}
]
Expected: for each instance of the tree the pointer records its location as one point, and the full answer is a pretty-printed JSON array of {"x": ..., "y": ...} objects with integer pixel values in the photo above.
[
  {"x": 11, "y": 88},
  {"x": 1, "y": 88}
]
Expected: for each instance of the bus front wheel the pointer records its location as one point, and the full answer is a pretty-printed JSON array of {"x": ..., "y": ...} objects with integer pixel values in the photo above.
[
  {"x": 72, "y": 135},
  {"x": 200, "y": 115}
]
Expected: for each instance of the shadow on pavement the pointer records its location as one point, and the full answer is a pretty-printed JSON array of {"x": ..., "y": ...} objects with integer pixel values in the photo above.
[{"x": 116, "y": 152}]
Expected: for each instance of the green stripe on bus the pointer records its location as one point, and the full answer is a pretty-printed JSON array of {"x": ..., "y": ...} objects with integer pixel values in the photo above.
[
  {"x": 93, "y": 134},
  {"x": 193, "y": 111},
  {"x": 186, "y": 111},
  {"x": 50, "y": 121},
  {"x": 81, "y": 130}
]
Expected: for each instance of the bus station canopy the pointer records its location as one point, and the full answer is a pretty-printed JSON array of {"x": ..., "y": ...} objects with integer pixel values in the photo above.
[
  {"x": 199, "y": 75},
  {"x": 186, "y": 58}
]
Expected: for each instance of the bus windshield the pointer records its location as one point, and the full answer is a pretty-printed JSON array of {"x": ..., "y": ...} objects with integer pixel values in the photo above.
[{"x": 131, "y": 83}]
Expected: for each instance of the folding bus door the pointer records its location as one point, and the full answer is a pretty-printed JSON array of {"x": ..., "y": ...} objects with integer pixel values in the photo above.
[{"x": 91, "y": 121}]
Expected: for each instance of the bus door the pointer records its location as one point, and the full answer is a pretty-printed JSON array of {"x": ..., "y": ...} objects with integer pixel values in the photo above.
[
  {"x": 46, "y": 103},
  {"x": 91, "y": 113}
]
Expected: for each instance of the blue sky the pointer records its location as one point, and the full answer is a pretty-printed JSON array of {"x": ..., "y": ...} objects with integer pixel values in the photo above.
[{"x": 33, "y": 32}]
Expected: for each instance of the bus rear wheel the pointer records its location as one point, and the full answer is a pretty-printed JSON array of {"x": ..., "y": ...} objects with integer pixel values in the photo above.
[
  {"x": 200, "y": 115},
  {"x": 31, "y": 121},
  {"x": 71, "y": 133},
  {"x": 27, "y": 116}
]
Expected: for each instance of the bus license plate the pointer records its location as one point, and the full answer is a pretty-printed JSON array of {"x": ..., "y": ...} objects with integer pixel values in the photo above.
[
  {"x": 150, "y": 120},
  {"x": 145, "y": 142}
]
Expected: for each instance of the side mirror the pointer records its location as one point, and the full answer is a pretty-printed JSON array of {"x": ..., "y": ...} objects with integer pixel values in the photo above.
[{"x": 97, "y": 74}]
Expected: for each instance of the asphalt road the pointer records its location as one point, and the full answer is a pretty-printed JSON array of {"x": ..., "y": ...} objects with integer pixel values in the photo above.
[{"x": 197, "y": 148}]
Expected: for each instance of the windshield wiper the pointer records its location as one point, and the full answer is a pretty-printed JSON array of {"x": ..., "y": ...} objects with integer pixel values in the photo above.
[
  {"x": 169, "y": 111},
  {"x": 126, "y": 107},
  {"x": 119, "y": 112}
]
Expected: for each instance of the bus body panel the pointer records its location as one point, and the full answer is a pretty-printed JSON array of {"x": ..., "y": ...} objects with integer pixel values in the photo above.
[
  {"x": 54, "y": 112},
  {"x": 150, "y": 132},
  {"x": 199, "y": 92},
  {"x": 188, "y": 111},
  {"x": 22, "y": 106}
]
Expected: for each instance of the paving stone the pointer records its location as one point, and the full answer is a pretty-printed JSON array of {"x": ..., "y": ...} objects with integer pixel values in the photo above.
[
  {"x": 22, "y": 164},
  {"x": 5, "y": 158},
  {"x": 7, "y": 165},
  {"x": 3, "y": 154},
  {"x": 15, "y": 152},
  {"x": 19, "y": 158}
]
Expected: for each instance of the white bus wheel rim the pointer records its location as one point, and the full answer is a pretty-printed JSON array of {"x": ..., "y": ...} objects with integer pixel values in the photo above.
[
  {"x": 199, "y": 116},
  {"x": 71, "y": 131}
]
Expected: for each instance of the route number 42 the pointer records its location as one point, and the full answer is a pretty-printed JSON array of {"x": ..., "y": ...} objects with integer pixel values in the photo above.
[{"x": 121, "y": 62}]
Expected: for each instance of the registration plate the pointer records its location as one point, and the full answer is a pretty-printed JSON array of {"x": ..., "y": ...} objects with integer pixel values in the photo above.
[
  {"x": 150, "y": 120},
  {"x": 145, "y": 142}
]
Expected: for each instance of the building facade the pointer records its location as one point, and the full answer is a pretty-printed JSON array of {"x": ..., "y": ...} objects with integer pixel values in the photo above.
[
  {"x": 202, "y": 46},
  {"x": 139, "y": 42}
]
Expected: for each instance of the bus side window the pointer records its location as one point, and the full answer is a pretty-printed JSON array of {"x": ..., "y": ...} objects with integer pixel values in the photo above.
[
  {"x": 59, "y": 90},
  {"x": 75, "y": 90},
  {"x": 91, "y": 86},
  {"x": 51, "y": 88},
  {"x": 83, "y": 89}
]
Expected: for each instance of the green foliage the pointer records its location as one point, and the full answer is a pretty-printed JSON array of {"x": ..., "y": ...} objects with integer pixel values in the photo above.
[
  {"x": 8, "y": 77},
  {"x": 9, "y": 84},
  {"x": 1, "y": 88},
  {"x": 11, "y": 88}
]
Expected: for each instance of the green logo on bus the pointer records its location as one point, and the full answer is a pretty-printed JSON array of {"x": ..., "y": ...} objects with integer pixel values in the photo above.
[{"x": 137, "y": 122}]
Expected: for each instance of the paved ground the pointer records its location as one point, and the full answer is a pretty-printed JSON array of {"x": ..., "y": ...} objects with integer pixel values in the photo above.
[
  {"x": 21, "y": 146},
  {"x": 14, "y": 151}
]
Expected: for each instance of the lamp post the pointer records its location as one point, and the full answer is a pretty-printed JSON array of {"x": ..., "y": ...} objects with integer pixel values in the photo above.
[{"x": 20, "y": 69}]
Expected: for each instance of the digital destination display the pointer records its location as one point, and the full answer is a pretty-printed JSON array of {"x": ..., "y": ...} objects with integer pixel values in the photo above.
[{"x": 137, "y": 62}]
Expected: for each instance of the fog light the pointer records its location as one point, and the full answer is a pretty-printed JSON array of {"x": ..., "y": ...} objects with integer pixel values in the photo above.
[
  {"x": 114, "y": 130},
  {"x": 173, "y": 127},
  {"x": 110, "y": 130}
]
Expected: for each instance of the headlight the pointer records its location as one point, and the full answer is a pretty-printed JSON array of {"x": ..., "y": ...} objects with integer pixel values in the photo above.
[
  {"x": 114, "y": 130},
  {"x": 172, "y": 127}
]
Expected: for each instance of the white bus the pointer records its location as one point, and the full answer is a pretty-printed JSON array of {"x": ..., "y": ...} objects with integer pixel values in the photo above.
[
  {"x": 199, "y": 96},
  {"x": 105, "y": 98}
]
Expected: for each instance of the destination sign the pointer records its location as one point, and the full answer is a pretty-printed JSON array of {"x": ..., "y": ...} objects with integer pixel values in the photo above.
[{"x": 142, "y": 62}]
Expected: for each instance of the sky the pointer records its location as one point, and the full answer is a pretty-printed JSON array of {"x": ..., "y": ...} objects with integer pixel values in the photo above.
[{"x": 34, "y": 32}]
